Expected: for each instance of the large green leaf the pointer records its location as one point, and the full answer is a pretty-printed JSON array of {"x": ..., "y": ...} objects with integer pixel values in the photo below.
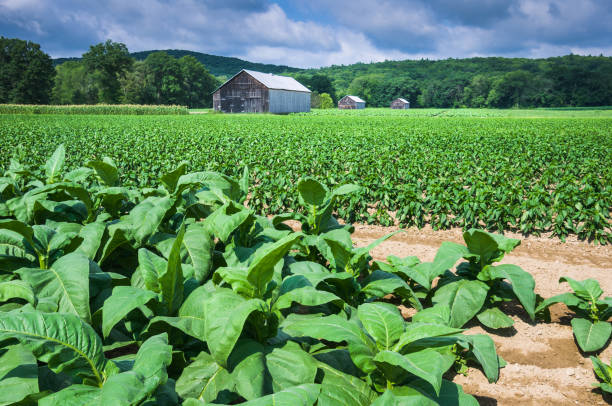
[
  {"x": 587, "y": 289},
  {"x": 216, "y": 317},
  {"x": 298, "y": 288},
  {"x": 226, "y": 219},
  {"x": 290, "y": 366},
  {"x": 63, "y": 341},
  {"x": 91, "y": 234},
  {"x": 199, "y": 246},
  {"x": 464, "y": 298},
  {"x": 380, "y": 284},
  {"x": 338, "y": 388},
  {"x": 55, "y": 164},
  {"x": 569, "y": 299},
  {"x": 425, "y": 364},
  {"x": 331, "y": 328},
  {"x": 591, "y": 336},
  {"x": 419, "y": 330},
  {"x": 312, "y": 192},
  {"x": 301, "y": 395},
  {"x": 106, "y": 172},
  {"x": 171, "y": 281},
  {"x": 123, "y": 300},
  {"x": 493, "y": 317},
  {"x": 14, "y": 252},
  {"x": 147, "y": 374},
  {"x": 451, "y": 394},
  {"x": 488, "y": 246},
  {"x": 261, "y": 268},
  {"x": 66, "y": 283},
  {"x": 17, "y": 289},
  {"x": 603, "y": 371},
  {"x": 145, "y": 218},
  {"x": 170, "y": 179},
  {"x": 383, "y": 322},
  {"x": 74, "y": 395},
  {"x": 522, "y": 282},
  {"x": 18, "y": 375},
  {"x": 483, "y": 348},
  {"x": 203, "y": 379},
  {"x": 249, "y": 370}
]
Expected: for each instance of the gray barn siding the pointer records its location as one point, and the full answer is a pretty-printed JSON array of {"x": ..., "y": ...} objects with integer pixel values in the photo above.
[
  {"x": 242, "y": 94},
  {"x": 286, "y": 101}
]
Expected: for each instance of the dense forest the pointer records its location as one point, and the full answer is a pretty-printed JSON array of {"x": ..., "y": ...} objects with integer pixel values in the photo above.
[
  {"x": 565, "y": 81},
  {"x": 108, "y": 73}
]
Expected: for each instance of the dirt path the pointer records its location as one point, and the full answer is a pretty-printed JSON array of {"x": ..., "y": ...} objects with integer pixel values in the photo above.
[{"x": 545, "y": 366}]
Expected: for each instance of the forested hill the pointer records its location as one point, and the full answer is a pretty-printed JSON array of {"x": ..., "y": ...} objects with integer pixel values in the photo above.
[
  {"x": 570, "y": 80},
  {"x": 217, "y": 65}
]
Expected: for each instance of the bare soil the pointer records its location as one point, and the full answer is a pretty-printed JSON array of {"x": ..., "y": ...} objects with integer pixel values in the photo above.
[{"x": 545, "y": 366}]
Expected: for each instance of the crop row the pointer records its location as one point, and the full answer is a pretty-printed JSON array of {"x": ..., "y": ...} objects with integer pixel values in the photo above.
[
  {"x": 179, "y": 294},
  {"x": 103, "y": 109},
  {"x": 532, "y": 176}
]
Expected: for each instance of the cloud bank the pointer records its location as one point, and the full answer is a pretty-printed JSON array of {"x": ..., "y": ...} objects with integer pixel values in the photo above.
[{"x": 317, "y": 32}]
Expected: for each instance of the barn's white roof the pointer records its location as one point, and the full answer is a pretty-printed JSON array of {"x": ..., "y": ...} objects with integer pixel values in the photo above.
[
  {"x": 402, "y": 100},
  {"x": 277, "y": 82},
  {"x": 356, "y": 99}
]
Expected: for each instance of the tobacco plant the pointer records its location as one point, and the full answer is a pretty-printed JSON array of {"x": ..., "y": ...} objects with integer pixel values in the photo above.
[
  {"x": 111, "y": 294},
  {"x": 590, "y": 325}
]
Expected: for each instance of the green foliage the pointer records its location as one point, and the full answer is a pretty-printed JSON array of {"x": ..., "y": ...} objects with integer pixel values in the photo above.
[
  {"x": 111, "y": 60},
  {"x": 591, "y": 326},
  {"x": 326, "y": 101},
  {"x": 180, "y": 293},
  {"x": 604, "y": 373},
  {"x": 485, "y": 180},
  {"x": 26, "y": 72},
  {"x": 102, "y": 109}
]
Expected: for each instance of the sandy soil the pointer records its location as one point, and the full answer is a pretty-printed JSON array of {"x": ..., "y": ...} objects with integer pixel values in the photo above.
[{"x": 545, "y": 366}]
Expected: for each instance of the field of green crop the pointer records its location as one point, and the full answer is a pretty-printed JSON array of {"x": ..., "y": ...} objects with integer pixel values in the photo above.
[
  {"x": 135, "y": 271},
  {"x": 544, "y": 175},
  {"x": 180, "y": 295}
]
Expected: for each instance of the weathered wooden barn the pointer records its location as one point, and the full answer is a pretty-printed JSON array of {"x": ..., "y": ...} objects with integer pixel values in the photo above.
[
  {"x": 400, "y": 104},
  {"x": 255, "y": 92},
  {"x": 351, "y": 102}
]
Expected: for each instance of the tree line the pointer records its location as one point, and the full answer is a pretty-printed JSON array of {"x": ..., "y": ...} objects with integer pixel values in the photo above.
[
  {"x": 107, "y": 73},
  {"x": 567, "y": 81}
]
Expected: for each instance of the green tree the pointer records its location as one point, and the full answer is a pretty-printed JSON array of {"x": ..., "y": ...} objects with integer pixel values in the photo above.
[
  {"x": 137, "y": 85},
  {"x": 198, "y": 84},
  {"x": 74, "y": 85},
  {"x": 26, "y": 72},
  {"x": 475, "y": 95},
  {"x": 112, "y": 61},
  {"x": 315, "y": 100},
  {"x": 514, "y": 89},
  {"x": 167, "y": 78},
  {"x": 326, "y": 101}
]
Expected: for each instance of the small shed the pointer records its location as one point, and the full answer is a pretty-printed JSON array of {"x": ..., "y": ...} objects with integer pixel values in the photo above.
[
  {"x": 351, "y": 102},
  {"x": 400, "y": 104},
  {"x": 256, "y": 92}
]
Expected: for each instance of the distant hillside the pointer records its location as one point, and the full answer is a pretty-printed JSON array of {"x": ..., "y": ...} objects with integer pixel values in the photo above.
[
  {"x": 217, "y": 65},
  {"x": 221, "y": 65}
]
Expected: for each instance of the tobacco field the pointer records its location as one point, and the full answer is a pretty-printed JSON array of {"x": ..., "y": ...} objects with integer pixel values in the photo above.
[
  {"x": 202, "y": 260},
  {"x": 546, "y": 175}
]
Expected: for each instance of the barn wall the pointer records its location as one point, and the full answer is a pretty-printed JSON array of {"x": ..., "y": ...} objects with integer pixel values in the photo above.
[
  {"x": 242, "y": 94},
  {"x": 360, "y": 105},
  {"x": 346, "y": 103},
  {"x": 288, "y": 101}
]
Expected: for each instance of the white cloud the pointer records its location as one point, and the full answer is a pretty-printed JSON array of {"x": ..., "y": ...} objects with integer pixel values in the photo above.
[{"x": 325, "y": 33}]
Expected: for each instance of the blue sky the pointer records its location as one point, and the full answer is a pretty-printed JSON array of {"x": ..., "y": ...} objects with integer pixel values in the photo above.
[{"x": 318, "y": 32}]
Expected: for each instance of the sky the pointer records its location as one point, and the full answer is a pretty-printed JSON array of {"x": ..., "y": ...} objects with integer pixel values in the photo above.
[{"x": 316, "y": 33}]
